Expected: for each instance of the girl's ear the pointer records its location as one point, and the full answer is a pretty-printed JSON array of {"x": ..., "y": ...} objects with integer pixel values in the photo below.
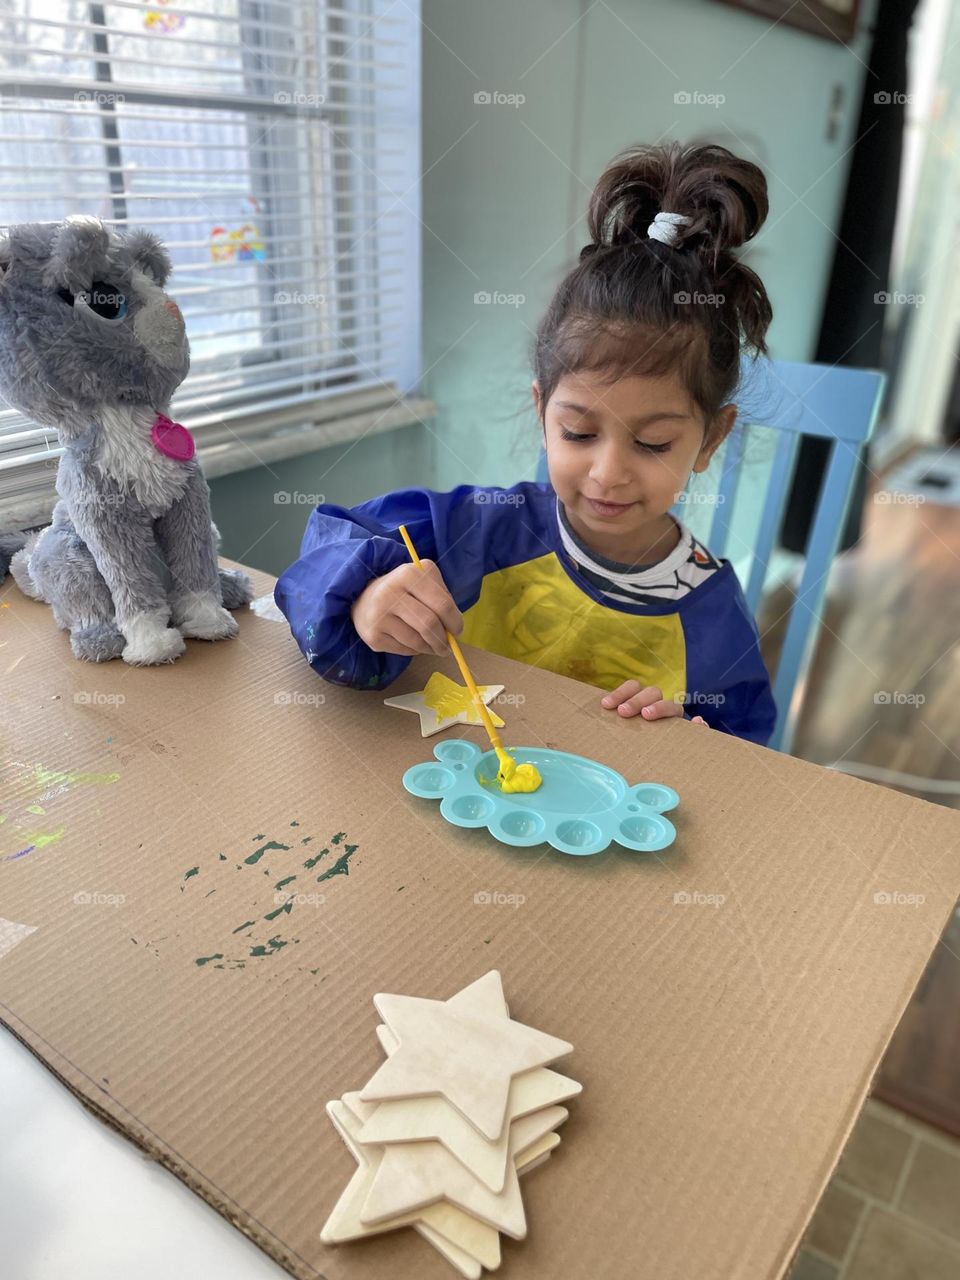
[
  {"x": 535, "y": 390},
  {"x": 718, "y": 431}
]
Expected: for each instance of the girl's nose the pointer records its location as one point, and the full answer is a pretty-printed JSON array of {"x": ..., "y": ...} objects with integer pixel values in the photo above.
[{"x": 608, "y": 467}]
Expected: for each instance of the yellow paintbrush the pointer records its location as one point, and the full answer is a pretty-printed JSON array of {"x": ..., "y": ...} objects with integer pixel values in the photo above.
[{"x": 511, "y": 776}]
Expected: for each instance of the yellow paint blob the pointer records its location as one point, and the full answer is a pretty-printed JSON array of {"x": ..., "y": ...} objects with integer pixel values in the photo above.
[{"x": 515, "y": 777}]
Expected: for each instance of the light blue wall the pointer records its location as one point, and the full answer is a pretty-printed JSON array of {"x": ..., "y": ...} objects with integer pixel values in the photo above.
[
  {"x": 504, "y": 195},
  {"x": 261, "y": 531},
  {"x": 505, "y": 205}
]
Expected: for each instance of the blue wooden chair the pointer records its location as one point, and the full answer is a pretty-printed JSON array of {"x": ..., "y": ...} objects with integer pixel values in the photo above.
[{"x": 838, "y": 404}]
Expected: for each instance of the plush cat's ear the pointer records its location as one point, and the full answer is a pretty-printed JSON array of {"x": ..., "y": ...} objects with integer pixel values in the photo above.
[
  {"x": 78, "y": 254},
  {"x": 6, "y": 256},
  {"x": 149, "y": 254}
]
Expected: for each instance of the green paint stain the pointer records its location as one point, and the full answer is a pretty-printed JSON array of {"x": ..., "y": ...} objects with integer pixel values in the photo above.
[
  {"x": 402, "y": 887},
  {"x": 342, "y": 865},
  {"x": 246, "y": 925},
  {"x": 286, "y": 880},
  {"x": 286, "y": 906},
  {"x": 39, "y": 839},
  {"x": 294, "y": 824},
  {"x": 341, "y": 835},
  {"x": 36, "y": 808},
  {"x": 274, "y": 945},
  {"x": 312, "y": 862},
  {"x": 222, "y": 857},
  {"x": 258, "y": 853},
  {"x": 206, "y": 959},
  {"x": 192, "y": 872},
  {"x": 306, "y": 839}
]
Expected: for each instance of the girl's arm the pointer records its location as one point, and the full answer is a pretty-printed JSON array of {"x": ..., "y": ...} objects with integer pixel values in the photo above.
[{"x": 343, "y": 549}]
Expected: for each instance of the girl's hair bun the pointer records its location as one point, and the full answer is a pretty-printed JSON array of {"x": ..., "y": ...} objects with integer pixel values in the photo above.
[{"x": 723, "y": 195}]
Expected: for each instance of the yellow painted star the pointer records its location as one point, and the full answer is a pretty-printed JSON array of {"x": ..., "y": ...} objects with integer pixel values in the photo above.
[{"x": 442, "y": 703}]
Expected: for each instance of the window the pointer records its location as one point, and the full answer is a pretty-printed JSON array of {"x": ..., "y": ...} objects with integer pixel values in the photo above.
[{"x": 274, "y": 147}]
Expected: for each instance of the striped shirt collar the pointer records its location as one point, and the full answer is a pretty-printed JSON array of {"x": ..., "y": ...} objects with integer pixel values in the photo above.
[{"x": 622, "y": 575}]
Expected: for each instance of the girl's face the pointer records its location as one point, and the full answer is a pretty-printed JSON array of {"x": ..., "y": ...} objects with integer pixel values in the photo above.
[{"x": 619, "y": 454}]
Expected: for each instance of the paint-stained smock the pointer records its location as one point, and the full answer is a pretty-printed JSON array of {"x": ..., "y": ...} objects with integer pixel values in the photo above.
[{"x": 530, "y": 593}]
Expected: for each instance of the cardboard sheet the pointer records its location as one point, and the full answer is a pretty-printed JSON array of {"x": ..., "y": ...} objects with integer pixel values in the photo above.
[{"x": 209, "y": 869}]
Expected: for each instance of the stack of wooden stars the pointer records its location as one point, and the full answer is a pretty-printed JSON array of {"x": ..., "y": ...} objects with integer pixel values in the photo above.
[{"x": 463, "y": 1104}]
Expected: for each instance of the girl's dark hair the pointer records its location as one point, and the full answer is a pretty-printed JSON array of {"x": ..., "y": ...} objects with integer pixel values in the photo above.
[{"x": 634, "y": 305}]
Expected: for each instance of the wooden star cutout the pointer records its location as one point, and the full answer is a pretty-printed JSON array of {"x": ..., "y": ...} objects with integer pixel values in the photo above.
[
  {"x": 413, "y": 1175},
  {"x": 433, "y": 1118},
  {"x": 464, "y": 1239},
  {"x": 465, "y": 1048},
  {"x": 444, "y": 1225},
  {"x": 442, "y": 703}
]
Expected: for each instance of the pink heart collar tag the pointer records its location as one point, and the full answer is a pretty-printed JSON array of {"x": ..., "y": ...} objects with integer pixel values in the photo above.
[{"x": 172, "y": 438}]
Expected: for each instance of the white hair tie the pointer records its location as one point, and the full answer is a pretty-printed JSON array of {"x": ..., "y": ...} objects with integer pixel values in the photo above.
[{"x": 665, "y": 225}]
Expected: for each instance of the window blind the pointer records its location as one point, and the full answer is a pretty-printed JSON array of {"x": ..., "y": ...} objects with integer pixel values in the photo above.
[{"x": 274, "y": 147}]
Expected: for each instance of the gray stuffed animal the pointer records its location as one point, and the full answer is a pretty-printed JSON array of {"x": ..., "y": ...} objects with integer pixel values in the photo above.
[{"x": 91, "y": 345}]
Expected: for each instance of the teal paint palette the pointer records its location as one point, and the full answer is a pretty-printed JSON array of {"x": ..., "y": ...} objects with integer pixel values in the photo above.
[{"x": 580, "y": 807}]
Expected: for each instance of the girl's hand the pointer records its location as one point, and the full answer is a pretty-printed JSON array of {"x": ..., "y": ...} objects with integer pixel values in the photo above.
[
  {"x": 407, "y": 611},
  {"x": 630, "y": 700}
]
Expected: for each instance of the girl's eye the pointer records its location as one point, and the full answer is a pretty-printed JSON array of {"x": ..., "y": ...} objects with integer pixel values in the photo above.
[{"x": 648, "y": 448}]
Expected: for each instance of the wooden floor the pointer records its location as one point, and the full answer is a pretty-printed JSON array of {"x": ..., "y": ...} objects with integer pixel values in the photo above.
[{"x": 885, "y": 691}]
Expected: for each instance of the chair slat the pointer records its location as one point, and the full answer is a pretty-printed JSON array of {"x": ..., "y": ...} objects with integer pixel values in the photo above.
[
  {"x": 806, "y": 616},
  {"x": 770, "y": 517}
]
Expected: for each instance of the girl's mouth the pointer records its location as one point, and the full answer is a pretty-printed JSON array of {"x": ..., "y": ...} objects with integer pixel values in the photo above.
[{"x": 609, "y": 508}]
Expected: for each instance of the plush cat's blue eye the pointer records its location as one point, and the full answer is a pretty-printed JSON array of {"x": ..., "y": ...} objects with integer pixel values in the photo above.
[{"x": 106, "y": 301}]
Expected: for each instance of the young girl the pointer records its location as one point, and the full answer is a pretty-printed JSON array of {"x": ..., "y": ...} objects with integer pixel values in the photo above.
[{"x": 636, "y": 361}]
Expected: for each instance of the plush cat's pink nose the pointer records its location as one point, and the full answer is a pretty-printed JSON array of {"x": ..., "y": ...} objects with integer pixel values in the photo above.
[{"x": 172, "y": 307}]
